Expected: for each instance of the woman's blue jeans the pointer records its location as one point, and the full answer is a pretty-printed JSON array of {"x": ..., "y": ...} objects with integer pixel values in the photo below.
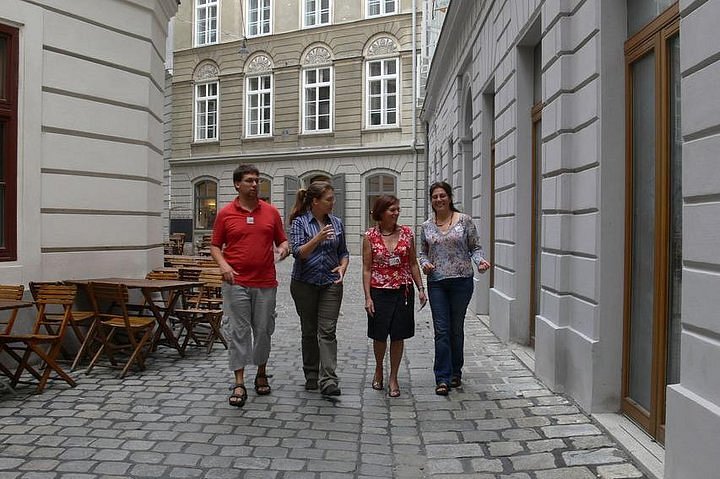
[{"x": 449, "y": 299}]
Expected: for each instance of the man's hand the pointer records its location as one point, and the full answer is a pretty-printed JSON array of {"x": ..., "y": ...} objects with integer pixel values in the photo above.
[
  {"x": 228, "y": 273},
  {"x": 282, "y": 253}
]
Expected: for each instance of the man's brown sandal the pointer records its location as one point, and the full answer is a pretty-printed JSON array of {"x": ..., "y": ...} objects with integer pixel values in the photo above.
[
  {"x": 235, "y": 399},
  {"x": 262, "y": 386}
]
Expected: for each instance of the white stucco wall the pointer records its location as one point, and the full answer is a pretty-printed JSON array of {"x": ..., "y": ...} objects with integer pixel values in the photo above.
[
  {"x": 582, "y": 165},
  {"x": 693, "y": 406},
  {"x": 578, "y": 346},
  {"x": 90, "y": 137}
]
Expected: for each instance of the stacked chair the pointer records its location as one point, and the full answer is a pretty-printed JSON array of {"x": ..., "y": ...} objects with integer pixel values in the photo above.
[{"x": 201, "y": 317}]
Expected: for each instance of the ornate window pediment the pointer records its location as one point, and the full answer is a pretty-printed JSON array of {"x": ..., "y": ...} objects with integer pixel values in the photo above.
[
  {"x": 205, "y": 72},
  {"x": 318, "y": 56},
  {"x": 259, "y": 64},
  {"x": 383, "y": 46}
]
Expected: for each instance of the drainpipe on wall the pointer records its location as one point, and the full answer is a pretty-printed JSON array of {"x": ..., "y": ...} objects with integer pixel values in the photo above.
[{"x": 414, "y": 113}]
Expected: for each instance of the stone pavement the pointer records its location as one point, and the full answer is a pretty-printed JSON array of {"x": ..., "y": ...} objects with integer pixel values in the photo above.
[{"x": 173, "y": 420}]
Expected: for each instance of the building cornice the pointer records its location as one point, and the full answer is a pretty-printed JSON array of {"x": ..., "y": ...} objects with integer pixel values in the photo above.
[{"x": 296, "y": 155}]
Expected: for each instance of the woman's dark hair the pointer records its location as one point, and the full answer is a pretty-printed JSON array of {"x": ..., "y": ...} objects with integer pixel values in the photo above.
[
  {"x": 243, "y": 170},
  {"x": 448, "y": 191},
  {"x": 381, "y": 205},
  {"x": 304, "y": 197}
]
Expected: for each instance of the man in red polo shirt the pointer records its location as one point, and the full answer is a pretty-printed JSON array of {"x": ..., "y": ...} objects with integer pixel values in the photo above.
[{"x": 244, "y": 235}]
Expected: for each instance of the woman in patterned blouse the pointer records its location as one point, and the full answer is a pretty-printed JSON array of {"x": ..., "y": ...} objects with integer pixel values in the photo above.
[
  {"x": 389, "y": 270},
  {"x": 449, "y": 246}
]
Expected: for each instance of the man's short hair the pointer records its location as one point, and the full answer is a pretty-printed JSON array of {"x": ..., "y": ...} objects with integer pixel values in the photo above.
[{"x": 243, "y": 170}]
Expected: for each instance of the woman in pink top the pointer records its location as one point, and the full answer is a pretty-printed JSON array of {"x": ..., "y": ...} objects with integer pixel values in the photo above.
[{"x": 389, "y": 270}]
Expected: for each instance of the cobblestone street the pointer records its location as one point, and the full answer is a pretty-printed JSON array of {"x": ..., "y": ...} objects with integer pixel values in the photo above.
[{"x": 174, "y": 420}]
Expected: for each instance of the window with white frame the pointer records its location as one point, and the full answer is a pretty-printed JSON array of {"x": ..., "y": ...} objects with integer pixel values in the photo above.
[
  {"x": 382, "y": 94},
  {"x": 206, "y": 111},
  {"x": 316, "y": 12},
  {"x": 258, "y": 17},
  {"x": 381, "y": 7},
  {"x": 317, "y": 99},
  {"x": 206, "y": 22},
  {"x": 259, "y": 105}
]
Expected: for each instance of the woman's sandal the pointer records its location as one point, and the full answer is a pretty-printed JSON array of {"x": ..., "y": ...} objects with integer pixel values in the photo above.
[
  {"x": 442, "y": 389},
  {"x": 260, "y": 388},
  {"x": 235, "y": 399},
  {"x": 377, "y": 384},
  {"x": 455, "y": 382}
]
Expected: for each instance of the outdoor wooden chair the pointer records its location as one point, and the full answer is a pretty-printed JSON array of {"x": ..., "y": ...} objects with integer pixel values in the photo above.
[
  {"x": 13, "y": 292},
  {"x": 201, "y": 320},
  {"x": 119, "y": 331},
  {"x": 176, "y": 261},
  {"x": 165, "y": 274},
  {"x": 162, "y": 300},
  {"x": 177, "y": 241},
  {"x": 78, "y": 319},
  {"x": 45, "y": 338},
  {"x": 189, "y": 273},
  {"x": 206, "y": 262}
]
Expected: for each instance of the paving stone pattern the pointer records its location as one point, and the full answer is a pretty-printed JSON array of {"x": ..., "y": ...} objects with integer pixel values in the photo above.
[{"x": 174, "y": 421}]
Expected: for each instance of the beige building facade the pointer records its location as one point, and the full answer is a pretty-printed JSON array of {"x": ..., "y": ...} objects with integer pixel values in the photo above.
[{"x": 304, "y": 90}]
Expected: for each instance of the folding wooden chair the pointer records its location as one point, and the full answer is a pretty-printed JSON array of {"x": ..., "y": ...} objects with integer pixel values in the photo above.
[
  {"x": 189, "y": 273},
  {"x": 177, "y": 240},
  {"x": 10, "y": 292},
  {"x": 163, "y": 274},
  {"x": 136, "y": 331},
  {"x": 163, "y": 300},
  {"x": 46, "y": 346},
  {"x": 77, "y": 320},
  {"x": 201, "y": 320}
]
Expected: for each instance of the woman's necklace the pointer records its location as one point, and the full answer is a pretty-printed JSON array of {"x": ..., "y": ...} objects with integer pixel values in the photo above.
[
  {"x": 445, "y": 222},
  {"x": 387, "y": 234}
]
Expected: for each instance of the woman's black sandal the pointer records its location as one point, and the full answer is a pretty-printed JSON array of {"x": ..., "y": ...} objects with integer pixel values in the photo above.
[
  {"x": 262, "y": 389},
  {"x": 377, "y": 384},
  {"x": 442, "y": 389},
  {"x": 237, "y": 400},
  {"x": 455, "y": 382}
]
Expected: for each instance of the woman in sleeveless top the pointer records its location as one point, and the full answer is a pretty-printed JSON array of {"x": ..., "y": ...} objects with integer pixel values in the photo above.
[{"x": 389, "y": 270}]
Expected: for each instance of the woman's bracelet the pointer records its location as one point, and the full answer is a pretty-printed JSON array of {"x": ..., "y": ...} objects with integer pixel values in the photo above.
[{"x": 421, "y": 288}]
